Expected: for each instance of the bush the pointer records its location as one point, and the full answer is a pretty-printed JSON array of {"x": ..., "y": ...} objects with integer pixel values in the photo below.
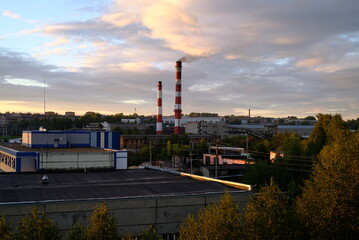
[
  {"x": 149, "y": 233},
  {"x": 218, "y": 221},
  {"x": 38, "y": 227},
  {"x": 102, "y": 225},
  {"x": 6, "y": 232},
  {"x": 77, "y": 232}
]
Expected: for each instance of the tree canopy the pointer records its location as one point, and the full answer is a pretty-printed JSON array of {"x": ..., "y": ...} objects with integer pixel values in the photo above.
[
  {"x": 218, "y": 221},
  {"x": 328, "y": 206}
]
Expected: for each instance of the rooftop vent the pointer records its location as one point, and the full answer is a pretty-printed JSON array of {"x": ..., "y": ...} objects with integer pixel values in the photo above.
[{"x": 45, "y": 179}]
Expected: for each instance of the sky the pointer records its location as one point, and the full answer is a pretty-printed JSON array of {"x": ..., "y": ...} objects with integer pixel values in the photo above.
[{"x": 276, "y": 57}]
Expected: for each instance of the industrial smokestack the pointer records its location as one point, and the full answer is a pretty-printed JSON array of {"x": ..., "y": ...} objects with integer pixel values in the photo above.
[
  {"x": 249, "y": 113},
  {"x": 159, "y": 129},
  {"x": 178, "y": 100}
]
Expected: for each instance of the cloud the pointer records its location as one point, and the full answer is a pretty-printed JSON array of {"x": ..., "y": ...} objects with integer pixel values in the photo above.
[
  {"x": 58, "y": 41},
  {"x": 24, "y": 82},
  {"x": 276, "y": 57},
  {"x": 10, "y": 14},
  {"x": 134, "y": 101}
]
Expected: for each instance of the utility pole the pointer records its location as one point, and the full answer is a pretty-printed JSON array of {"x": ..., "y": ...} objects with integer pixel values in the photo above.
[
  {"x": 150, "y": 153},
  {"x": 216, "y": 173},
  {"x": 191, "y": 154},
  {"x": 247, "y": 142}
]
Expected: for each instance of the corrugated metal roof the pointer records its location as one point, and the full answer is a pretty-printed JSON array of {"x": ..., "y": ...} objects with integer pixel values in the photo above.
[{"x": 25, "y": 187}]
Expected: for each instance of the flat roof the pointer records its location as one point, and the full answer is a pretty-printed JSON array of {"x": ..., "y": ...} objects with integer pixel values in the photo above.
[
  {"x": 131, "y": 183},
  {"x": 19, "y": 147}
]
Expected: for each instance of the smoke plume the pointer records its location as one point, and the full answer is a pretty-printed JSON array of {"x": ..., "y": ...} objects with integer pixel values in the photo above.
[{"x": 189, "y": 58}]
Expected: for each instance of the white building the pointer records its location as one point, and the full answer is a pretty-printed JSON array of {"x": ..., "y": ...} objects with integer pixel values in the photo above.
[{"x": 186, "y": 119}]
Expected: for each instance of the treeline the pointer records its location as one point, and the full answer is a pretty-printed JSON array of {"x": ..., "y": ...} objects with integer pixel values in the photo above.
[
  {"x": 295, "y": 155},
  {"x": 196, "y": 114},
  {"x": 57, "y": 122},
  {"x": 326, "y": 208},
  {"x": 102, "y": 226}
]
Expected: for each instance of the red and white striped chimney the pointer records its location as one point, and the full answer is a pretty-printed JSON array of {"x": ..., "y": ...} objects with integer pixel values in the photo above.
[
  {"x": 159, "y": 129},
  {"x": 178, "y": 108}
]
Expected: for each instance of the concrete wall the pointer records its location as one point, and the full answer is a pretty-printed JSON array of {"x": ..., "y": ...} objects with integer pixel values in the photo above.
[
  {"x": 65, "y": 160},
  {"x": 76, "y": 139},
  {"x": 132, "y": 215},
  {"x": 28, "y": 164}
]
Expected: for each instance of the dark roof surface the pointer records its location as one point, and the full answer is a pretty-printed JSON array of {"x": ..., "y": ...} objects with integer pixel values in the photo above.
[{"x": 25, "y": 187}]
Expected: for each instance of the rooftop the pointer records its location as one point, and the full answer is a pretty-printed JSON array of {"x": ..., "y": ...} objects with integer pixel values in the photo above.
[
  {"x": 19, "y": 147},
  {"x": 27, "y": 187}
]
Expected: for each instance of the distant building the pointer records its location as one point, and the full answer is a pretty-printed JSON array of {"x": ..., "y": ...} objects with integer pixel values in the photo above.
[
  {"x": 186, "y": 119},
  {"x": 302, "y": 130},
  {"x": 70, "y": 114},
  {"x": 89, "y": 113},
  {"x": 269, "y": 130},
  {"x": 210, "y": 128},
  {"x": 231, "y": 162},
  {"x": 50, "y": 114},
  {"x": 131, "y": 121},
  {"x": 92, "y": 127}
]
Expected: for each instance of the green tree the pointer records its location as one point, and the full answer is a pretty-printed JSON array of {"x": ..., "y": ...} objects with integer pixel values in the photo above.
[
  {"x": 169, "y": 148},
  {"x": 309, "y": 118},
  {"x": 6, "y": 232},
  {"x": 292, "y": 145},
  {"x": 149, "y": 233},
  {"x": 353, "y": 124},
  {"x": 217, "y": 221},
  {"x": 263, "y": 146},
  {"x": 328, "y": 207},
  {"x": 102, "y": 224},
  {"x": 77, "y": 232},
  {"x": 38, "y": 227},
  {"x": 269, "y": 215},
  {"x": 327, "y": 129},
  {"x": 180, "y": 150}
]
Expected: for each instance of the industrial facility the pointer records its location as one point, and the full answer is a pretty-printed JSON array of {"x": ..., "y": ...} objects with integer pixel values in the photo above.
[{"x": 62, "y": 150}]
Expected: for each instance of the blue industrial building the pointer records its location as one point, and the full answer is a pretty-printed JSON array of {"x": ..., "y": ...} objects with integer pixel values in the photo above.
[{"x": 63, "y": 150}]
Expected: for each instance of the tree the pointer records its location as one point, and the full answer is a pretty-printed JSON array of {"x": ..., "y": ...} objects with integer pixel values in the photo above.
[
  {"x": 328, "y": 207},
  {"x": 6, "y": 232},
  {"x": 269, "y": 215},
  {"x": 309, "y": 118},
  {"x": 77, "y": 232},
  {"x": 327, "y": 129},
  {"x": 218, "y": 221},
  {"x": 38, "y": 227},
  {"x": 102, "y": 224},
  {"x": 180, "y": 150},
  {"x": 149, "y": 233},
  {"x": 169, "y": 148},
  {"x": 263, "y": 146},
  {"x": 292, "y": 145}
]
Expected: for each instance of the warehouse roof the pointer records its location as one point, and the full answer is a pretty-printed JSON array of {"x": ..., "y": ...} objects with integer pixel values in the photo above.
[
  {"x": 28, "y": 187},
  {"x": 19, "y": 147}
]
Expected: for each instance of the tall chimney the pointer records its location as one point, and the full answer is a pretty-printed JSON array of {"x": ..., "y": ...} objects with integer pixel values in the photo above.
[
  {"x": 159, "y": 129},
  {"x": 178, "y": 108},
  {"x": 249, "y": 113}
]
